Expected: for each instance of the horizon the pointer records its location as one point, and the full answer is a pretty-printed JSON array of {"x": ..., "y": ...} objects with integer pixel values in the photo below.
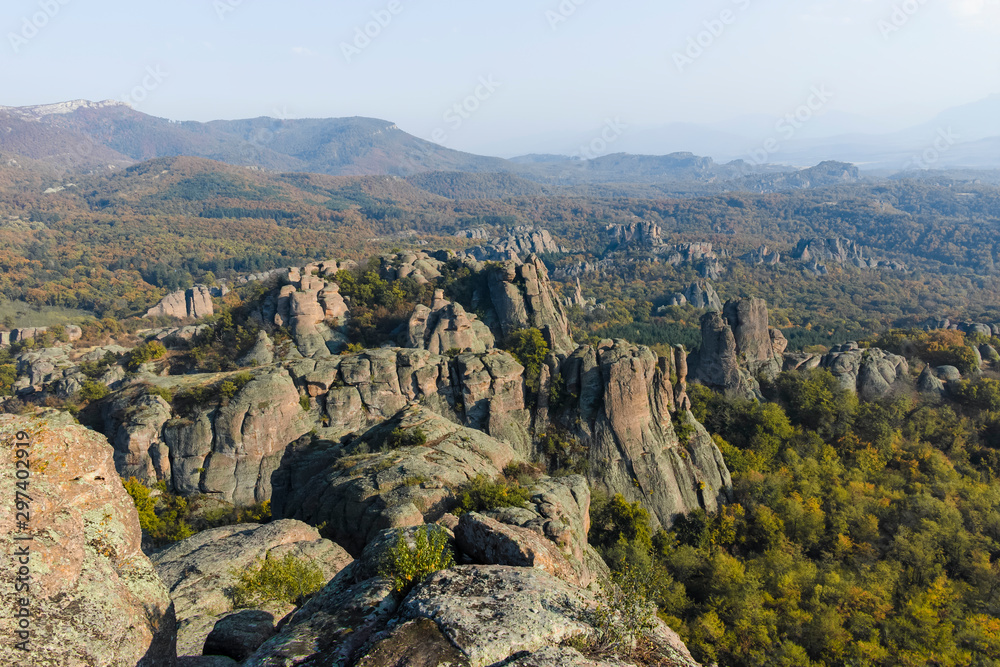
[{"x": 539, "y": 79}]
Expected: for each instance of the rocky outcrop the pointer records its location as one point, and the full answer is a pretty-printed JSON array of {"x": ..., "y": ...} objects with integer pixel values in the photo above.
[
  {"x": 357, "y": 494},
  {"x": 472, "y": 615},
  {"x": 549, "y": 533},
  {"x": 231, "y": 448},
  {"x": 199, "y": 570},
  {"x": 840, "y": 251},
  {"x": 762, "y": 255},
  {"x": 718, "y": 364},
  {"x": 703, "y": 295},
  {"x": 523, "y": 297},
  {"x": 870, "y": 373},
  {"x": 759, "y": 346},
  {"x": 642, "y": 233},
  {"x": 227, "y": 448},
  {"x": 446, "y": 326},
  {"x": 738, "y": 346},
  {"x": 626, "y": 402},
  {"x": 94, "y": 599},
  {"x": 194, "y": 303}
]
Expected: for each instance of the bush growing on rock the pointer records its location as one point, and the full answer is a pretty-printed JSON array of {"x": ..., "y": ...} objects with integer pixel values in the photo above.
[
  {"x": 162, "y": 518},
  {"x": 145, "y": 353},
  {"x": 483, "y": 495},
  {"x": 406, "y": 566},
  {"x": 290, "y": 579},
  {"x": 93, "y": 391},
  {"x": 400, "y": 438},
  {"x": 530, "y": 349}
]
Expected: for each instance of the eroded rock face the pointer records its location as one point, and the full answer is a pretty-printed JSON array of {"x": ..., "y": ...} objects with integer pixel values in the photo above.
[
  {"x": 231, "y": 448},
  {"x": 446, "y": 326},
  {"x": 739, "y": 346},
  {"x": 358, "y": 496},
  {"x": 628, "y": 398},
  {"x": 194, "y": 303},
  {"x": 198, "y": 570},
  {"x": 523, "y": 298},
  {"x": 95, "y": 599}
]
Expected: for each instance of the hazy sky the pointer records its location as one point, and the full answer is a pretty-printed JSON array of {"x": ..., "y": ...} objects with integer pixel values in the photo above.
[{"x": 539, "y": 67}]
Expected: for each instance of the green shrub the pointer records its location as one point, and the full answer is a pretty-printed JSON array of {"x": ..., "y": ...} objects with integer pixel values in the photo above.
[
  {"x": 406, "y": 566},
  {"x": 410, "y": 437},
  {"x": 290, "y": 579},
  {"x": 304, "y": 402},
  {"x": 143, "y": 354},
  {"x": 93, "y": 391},
  {"x": 8, "y": 375},
  {"x": 625, "y": 614},
  {"x": 481, "y": 495},
  {"x": 162, "y": 519},
  {"x": 528, "y": 346}
]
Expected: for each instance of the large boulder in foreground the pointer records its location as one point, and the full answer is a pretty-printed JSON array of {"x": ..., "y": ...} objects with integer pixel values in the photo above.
[
  {"x": 198, "y": 570},
  {"x": 470, "y": 615},
  {"x": 95, "y": 599},
  {"x": 357, "y": 494}
]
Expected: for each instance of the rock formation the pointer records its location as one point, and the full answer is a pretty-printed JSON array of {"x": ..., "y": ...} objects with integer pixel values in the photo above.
[
  {"x": 446, "y": 326},
  {"x": 94, "y": 597},
  {"x": 626, "y": 402},
  {"x": 702, "y": 295},
  {"x": 197, "y": 571},
  {"x": 357, "y": 495},
  {"x": 469, "y": 615},
  {"x": 194, "y": 303},
  {"x": 870, "y": 373},
  {"x": 738, "y": 346},
  {"x": 523, "y": 297},
  {"x": 762, "y": 255}
]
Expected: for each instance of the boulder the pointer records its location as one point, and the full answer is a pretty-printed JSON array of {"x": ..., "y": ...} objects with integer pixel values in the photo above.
[
  {"x": 239, "y": 634},
  {"x": 446, "y": 326},
  {"x": 928, "y": 383},
  {"x": 95, "y": 598},
  {"x": 719, "y": 364},
  {"x": 489, "y": 542},
  {"x": 359, "y": 495},
  {"x": 198, "y": 570},
  {"x": 870, "y": 373}
]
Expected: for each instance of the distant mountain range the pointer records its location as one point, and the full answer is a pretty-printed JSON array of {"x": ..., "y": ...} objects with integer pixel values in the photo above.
[
  {"x": 964, "y": 136},
  {"x": 96, "y": 136}
]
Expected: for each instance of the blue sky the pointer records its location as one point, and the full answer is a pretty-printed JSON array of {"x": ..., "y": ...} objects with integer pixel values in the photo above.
[{"x": 553, "y": 67}]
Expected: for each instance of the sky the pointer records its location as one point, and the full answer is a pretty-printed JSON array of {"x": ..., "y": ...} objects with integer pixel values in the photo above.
[{"x": 502, "y": 76}]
